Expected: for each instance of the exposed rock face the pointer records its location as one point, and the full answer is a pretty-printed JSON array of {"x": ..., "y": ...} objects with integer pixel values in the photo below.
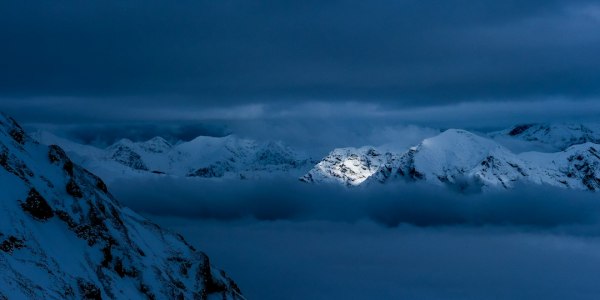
[
  {"x": 63, "y": 236},
  {"x": 128, "y": 157},
  {"x": 584, "y": 164},
  {"x": 211, "y": 171},
  {"x": 37, "y": 206},
  {"x": 11, "y": 244},
  {"x": 519, "y": 129}
]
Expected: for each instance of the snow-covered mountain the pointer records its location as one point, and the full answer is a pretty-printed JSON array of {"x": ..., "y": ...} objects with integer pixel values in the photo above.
[
  {"x": 63, "y": 236},
  {"x": 462, "y": 159},
  {"x": 551, "y": 137},
  {"x": 454, "y": 157},
  {"x": 350, "y": 166},
  {"x": 208, "y": 157}
]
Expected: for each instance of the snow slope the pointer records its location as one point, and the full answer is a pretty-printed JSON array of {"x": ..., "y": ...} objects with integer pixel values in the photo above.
[
  {"x": 206, "y": 157},
  {"x": 63, "y": 236},
  {"x": 462, "y": 159}
]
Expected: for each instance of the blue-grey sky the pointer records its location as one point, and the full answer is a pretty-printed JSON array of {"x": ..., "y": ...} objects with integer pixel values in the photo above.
[{"x": 112, "y": 61}]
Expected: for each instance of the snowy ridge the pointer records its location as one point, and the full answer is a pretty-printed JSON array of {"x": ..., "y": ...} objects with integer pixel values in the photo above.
[
  {"x": 460, "y": 158},
  {"x": 63, "y": 236},
  {"x": 207, "y": 157},
  {"x": 555, "y": 137}
]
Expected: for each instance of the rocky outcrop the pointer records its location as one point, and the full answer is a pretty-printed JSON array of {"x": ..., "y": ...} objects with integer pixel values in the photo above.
[{"x": 128, "y": 157}]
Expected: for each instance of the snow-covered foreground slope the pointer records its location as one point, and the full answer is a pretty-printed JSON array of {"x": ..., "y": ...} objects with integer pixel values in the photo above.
[
  {"x": 207, "y": 157},
  {"x": 550, "y": 137},
  {"x": 63, "y": 236},
  {"x": 462, "y": 159}
]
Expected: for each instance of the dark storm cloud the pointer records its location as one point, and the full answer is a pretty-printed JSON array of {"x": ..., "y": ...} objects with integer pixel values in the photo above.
[{"x": 222, "y": 53}]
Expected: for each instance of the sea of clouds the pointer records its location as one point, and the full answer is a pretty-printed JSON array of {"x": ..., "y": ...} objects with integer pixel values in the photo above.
[{"x": 283, "y": 239}]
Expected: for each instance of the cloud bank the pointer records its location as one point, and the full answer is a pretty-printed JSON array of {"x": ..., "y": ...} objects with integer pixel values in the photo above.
[
  {"x": 338, "y": 260},
  {"x": 389, "y": 205},
  {"x": 288, "y": 240}
]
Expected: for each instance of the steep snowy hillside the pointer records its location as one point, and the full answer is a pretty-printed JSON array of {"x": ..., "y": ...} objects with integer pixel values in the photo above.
[
  {"x": 552, "y": 137},
  {"x": 63, "y": 236},
  {"x": 462, "y": 159},
  {"x": 97, "y": 160},
  {"x": 207, "y": 157}
]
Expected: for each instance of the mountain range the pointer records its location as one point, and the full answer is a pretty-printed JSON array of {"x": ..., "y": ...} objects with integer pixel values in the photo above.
[
  {"x": 566, "y": 155},
  {"x": 203, "y": 157},
  {"x": 462, "y": 159}
]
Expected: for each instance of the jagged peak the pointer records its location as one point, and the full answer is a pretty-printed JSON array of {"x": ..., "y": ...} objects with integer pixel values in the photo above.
[
  {"x": 158, "y": 140},
  {"x": 156, "y": 144}
]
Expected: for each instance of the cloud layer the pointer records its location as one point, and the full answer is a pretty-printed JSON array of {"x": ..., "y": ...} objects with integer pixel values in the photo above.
[
  {"x": 337, "y": 260},
  {"x": 389, "y": 205}
]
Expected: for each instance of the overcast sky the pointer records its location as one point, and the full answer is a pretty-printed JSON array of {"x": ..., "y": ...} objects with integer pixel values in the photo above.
[{"x": 75, "y": 62}]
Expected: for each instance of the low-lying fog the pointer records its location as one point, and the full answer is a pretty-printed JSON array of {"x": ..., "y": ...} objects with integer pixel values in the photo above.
[{"x": 289, "y": 240}]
